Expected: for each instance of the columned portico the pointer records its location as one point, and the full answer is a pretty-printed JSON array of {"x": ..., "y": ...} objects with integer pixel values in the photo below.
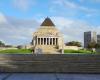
[{"x": 46, "y": 41}]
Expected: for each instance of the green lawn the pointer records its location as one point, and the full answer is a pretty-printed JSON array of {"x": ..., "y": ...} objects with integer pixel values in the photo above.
[
  {"x": 27, "y": 51},
  {"x": 77, "y": 51},
  {"x": 19, "y": 51}
]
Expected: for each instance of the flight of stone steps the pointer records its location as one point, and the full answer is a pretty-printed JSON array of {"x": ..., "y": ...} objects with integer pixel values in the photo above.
[
  {"x": 61, "y": 63},
  {"x": 48, "y": 48}
]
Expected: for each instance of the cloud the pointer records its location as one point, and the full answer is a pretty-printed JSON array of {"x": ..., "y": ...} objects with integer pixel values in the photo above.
[
  {"x": 72, "y": 5},
  {"x": 73, "y": 30},
  {"x": 23, "y": 4},
  {"x": 2, "y": 18},
  {"x": 16, "y": 31},
  {"x": 93, "y": 1},
  {"x": 96, "y": 1}
]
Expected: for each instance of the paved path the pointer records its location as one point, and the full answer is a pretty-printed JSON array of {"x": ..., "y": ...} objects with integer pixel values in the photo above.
[{"x": 48, "y": 76}]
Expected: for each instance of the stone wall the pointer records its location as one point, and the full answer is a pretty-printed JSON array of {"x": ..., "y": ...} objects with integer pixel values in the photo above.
[
  {"x": 6, "y": 48},
  {"x": 66, "y": 63},
  {"x": 72, "y": 47}
]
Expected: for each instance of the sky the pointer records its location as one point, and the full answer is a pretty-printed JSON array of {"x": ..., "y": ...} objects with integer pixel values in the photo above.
[{"x": 19, "y": 19}]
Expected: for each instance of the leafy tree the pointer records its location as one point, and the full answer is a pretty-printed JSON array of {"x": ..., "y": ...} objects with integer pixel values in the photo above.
[
  {"x": 74, "y": 43},
  {"x": 92, "y": 45},
  {"x": 97, "y": 45},
  {"x": 19, "y": 46},
  {"x": 2, "y": 44},
  {"x": 8, "y": 46}
]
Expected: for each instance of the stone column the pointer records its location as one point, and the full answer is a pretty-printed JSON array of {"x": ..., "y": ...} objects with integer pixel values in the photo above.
[
  {"x": 52, "y": 41},
  {"x": 43, "y": 41},
  {"x": 37, "y": 41},
  {"x": 46, "y": 41},
  {"x": 56, "y": 41},
  {"x": 40, "y": 41}
]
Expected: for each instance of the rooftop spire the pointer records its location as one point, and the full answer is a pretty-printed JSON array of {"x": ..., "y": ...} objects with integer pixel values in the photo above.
[{"x": 47, "y": 22}]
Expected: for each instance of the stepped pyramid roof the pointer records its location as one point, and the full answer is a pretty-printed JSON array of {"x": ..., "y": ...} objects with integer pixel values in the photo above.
[{"x": 47, "y": 22}]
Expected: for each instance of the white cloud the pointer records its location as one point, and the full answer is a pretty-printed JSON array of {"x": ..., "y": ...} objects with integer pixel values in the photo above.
[
  {"x": 94, "y": 1},
  {"x": 72, "y": 5},
  {"x": 2, "y": 18},
  {"x": 65, "y": 3},
  {"x": 73, "y": 29},
  {"x": 23, "y": 4},
  {"x": 16, "y": 31}
]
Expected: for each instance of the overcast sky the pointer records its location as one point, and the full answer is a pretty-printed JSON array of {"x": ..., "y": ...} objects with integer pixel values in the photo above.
[{"x": 20, "y": 18}]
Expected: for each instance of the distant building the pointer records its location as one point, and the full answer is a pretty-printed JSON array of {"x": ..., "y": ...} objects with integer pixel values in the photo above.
[
  {"x": 47, "y": 38},
  {"x": 98, "y": 39},
  {"x": 89, "y": 37}
]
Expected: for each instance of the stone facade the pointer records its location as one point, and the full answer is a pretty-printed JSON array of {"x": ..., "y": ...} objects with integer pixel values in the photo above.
[{"x": 47, "y": 38}]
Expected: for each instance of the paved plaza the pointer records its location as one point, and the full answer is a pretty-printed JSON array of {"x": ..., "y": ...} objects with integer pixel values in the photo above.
[{"x": 48, "y": 76}]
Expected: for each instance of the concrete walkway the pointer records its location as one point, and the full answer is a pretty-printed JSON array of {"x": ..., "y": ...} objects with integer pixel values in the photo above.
[{"x": 48, "y": 76}]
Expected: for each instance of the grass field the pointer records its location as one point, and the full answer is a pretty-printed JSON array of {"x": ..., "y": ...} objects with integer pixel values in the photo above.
[
  {"x": 14, "y": 51},
  {"x": 27, "y": 51},
  {"x": 77, "y": 51}
]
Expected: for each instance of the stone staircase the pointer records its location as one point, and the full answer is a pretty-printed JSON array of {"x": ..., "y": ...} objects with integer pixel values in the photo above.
[
  {"x": 47, "y": 49},
  {"x": 53, "y": 63}
]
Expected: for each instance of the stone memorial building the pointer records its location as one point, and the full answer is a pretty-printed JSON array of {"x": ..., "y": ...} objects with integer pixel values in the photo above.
[{"x": 47, "y": 38}]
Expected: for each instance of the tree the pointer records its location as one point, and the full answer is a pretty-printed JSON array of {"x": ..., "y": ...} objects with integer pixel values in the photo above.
[
  {"x": 92, "y": 45},
  {"x": 74, "y": 43},
  {"x": 97, "y": 45},
  {"x": 8, "y": 46},
  {"x": 2, "y": 44},
  {"x": 19, "y": 46}
]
